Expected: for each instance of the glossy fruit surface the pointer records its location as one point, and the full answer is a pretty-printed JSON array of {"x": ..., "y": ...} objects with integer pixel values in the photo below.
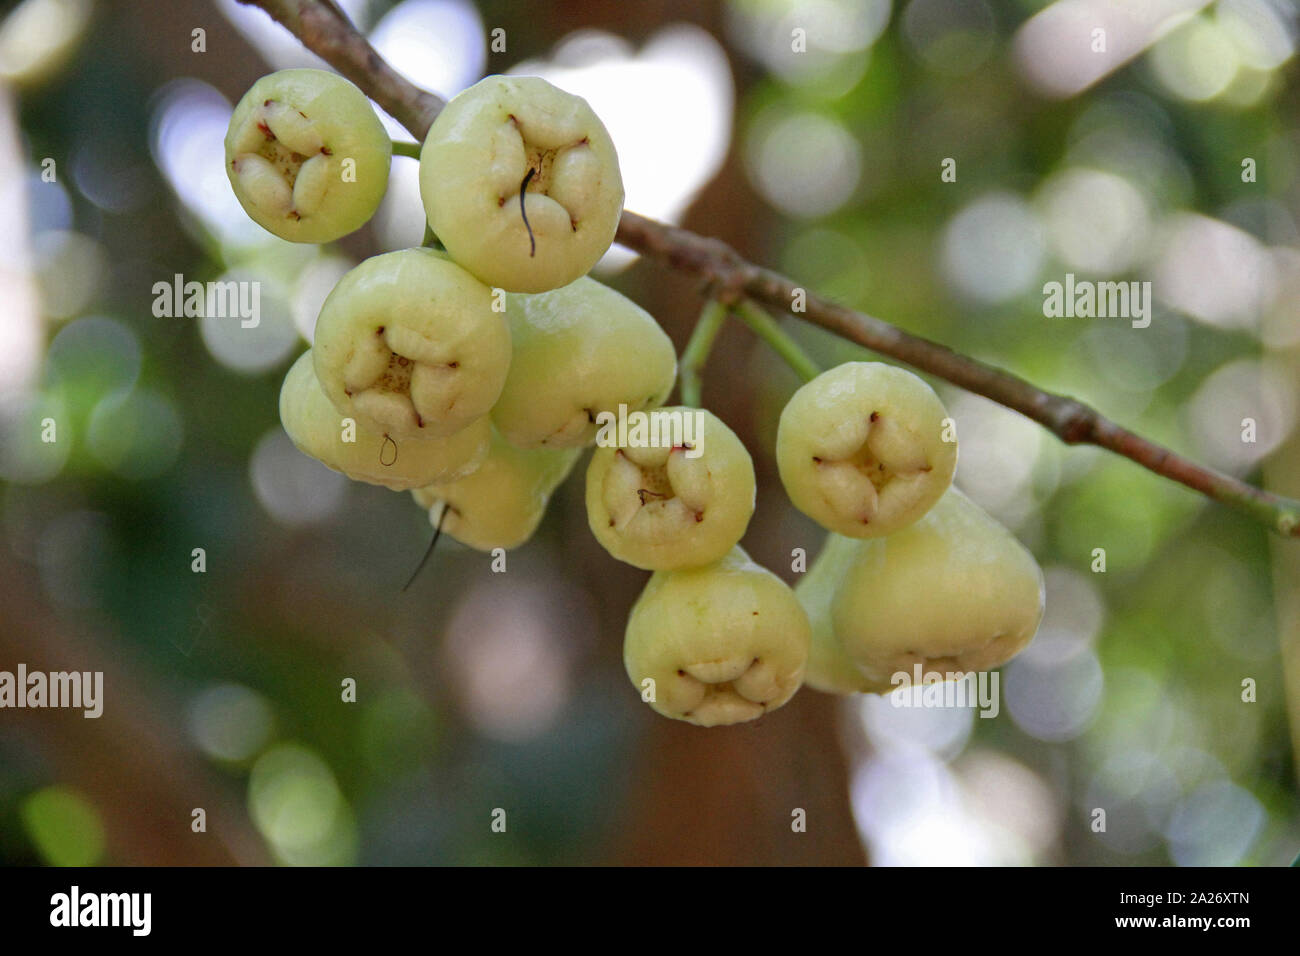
[
  {"x": 408, "y": 342},
  {"x": 579, "y": 350},
  {"x": 319, "y": 430},
  {"x": 954, "y": 592},
  {"x": 307, "y": 156},
  {"x": 722, "y": 644},
  {"x": 861, "y": 449},
  {"x": 508, "y": 136},
  {"x": 501, "y": 504},
  {"x": 658, "y": 508},
  {"x": 830, "y": 669}
]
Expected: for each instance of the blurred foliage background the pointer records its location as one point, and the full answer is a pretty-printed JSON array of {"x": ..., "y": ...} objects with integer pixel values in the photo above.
[{"x": 479, "y": 691}]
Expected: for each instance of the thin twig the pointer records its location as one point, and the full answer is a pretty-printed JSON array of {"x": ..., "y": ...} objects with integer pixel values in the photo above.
[
  {"x": 696, "y": 353},
  {"x": 324, "y": 28},
  {"x": 325, "y": 31},
  {"x": 762, "y": 324}
]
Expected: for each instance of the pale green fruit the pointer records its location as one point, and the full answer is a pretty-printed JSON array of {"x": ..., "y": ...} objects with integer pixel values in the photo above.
[
  {"x": 318, "y": 430},
  {"x": 861, "y": 449},
  {"x": 723, "y": 643},
  {"x": 408, "y": 342},
  {"x": 473, "y": 165},
  {"x": 659, "y": 509},
  {"x": 954, "y": 592},
  {"x": 579, "y": 350},
  {"x": 307, "y": 156},
  {"x": 501, "y": 504},
  {"x": 829, "y": 668}
]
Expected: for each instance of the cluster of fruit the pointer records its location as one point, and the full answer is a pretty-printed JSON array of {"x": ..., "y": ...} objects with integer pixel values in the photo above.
[{"x": 474, "y": 374}]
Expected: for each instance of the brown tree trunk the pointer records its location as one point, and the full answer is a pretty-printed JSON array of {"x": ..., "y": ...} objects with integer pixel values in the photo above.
[{"x": 132, "y": 762}]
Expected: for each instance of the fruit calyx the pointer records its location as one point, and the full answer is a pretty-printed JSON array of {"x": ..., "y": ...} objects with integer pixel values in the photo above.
[
  {"x": 860, "y": 478},
  {"x": 653, "y": 485},
  {"x": 281, "y": 160}
]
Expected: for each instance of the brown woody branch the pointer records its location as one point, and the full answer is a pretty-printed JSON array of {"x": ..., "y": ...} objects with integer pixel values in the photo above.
[{"x": 325, "y": 30}]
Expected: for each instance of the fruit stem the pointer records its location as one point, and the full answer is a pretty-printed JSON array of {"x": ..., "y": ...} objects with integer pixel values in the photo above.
[
  {"x": 406, "y": 149},
  {"x": 697, "y": 350},
  {"x": 770, "y": 331}
]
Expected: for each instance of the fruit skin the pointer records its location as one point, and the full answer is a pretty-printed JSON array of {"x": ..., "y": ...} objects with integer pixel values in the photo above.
[
  {"x": 830, "y": 669},
  {"x": 327, "y": 120},
  {"x": 473, "y": 164},
  {"x": 734, "y": 630},
  {"x": 501, "y": 504},
  {"x": 659, "y": 509},
  {"x": 316, "y": 427},
  {"x": 837, "y": 432},
  {"x": 955, "y": 592},
  {"x": 579, "y": 350},
  {"x": 418, "y": 308}
]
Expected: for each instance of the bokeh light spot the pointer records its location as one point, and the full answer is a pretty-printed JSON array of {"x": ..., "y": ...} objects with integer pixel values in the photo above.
[
  {"x": 293, "y": 488},
  {"x": 64, "y": 827},
  {"x": 993, "y": 249},
  {"x": 230, "y": 721}
]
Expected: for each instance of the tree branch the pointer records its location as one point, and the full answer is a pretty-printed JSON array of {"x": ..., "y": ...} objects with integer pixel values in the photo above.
[{"x": 325, "y": 30}]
